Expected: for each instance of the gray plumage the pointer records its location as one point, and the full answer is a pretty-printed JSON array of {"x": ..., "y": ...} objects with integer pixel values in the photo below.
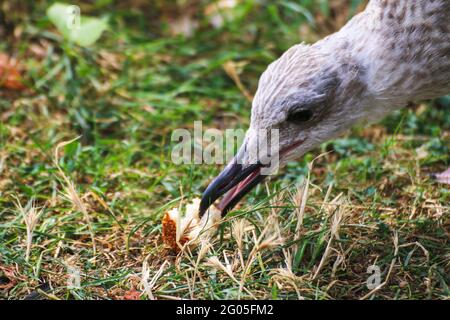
[{"x": 393, "y": 53}]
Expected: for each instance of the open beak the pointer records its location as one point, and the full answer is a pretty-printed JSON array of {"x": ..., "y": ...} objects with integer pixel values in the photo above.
[{"x": 234, "y": 182}]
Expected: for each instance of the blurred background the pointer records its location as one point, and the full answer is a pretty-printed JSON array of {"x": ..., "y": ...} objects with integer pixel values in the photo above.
[{"x": 141, "y": 69}]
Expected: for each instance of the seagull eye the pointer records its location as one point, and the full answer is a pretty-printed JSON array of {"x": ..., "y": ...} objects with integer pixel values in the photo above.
[{"x": 300, "y": 116}]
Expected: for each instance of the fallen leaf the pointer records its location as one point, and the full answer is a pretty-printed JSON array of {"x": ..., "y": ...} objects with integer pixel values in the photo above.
[
  {"x": 10, "y": 77},
  {"x": 132, "y": 294}
]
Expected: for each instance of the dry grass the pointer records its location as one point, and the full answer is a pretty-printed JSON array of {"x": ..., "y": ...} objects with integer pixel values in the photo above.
[
  {"x": 31, "y": 215},
  {"x": 95, "y": 204}
]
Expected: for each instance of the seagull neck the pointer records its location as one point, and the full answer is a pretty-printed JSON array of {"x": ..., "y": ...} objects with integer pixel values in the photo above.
[{"x": 402, "y": 46}]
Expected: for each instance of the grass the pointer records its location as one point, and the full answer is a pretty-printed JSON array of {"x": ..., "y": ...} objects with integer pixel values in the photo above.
[{"x": 95, "y": 205}]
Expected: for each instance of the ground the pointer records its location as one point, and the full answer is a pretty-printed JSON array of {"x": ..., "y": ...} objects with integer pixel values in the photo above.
[{"x": 319, "y": 230}]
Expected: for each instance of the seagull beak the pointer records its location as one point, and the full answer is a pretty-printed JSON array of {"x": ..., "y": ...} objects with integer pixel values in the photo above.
[{"x": 235, "y": 181}]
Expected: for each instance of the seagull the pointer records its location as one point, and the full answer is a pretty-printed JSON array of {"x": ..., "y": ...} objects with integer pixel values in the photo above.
[{"x": 390, "y": 55}]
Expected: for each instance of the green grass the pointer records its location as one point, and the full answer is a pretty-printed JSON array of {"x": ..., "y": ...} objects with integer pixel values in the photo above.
[{"x": 127, "y": 93}]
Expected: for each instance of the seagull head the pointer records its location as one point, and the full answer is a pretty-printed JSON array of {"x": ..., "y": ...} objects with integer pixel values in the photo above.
[{"x": 304, "y": 98}]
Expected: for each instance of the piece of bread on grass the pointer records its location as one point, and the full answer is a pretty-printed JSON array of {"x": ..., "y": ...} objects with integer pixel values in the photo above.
[{"x": 184, "y": 227}]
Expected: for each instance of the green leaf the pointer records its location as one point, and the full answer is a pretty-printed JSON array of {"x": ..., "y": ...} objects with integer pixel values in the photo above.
[{"x": 84, "y": 32}]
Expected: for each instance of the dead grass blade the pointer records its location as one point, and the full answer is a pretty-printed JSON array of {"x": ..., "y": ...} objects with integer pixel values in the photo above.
[
  {"x": 70, "y": 192},
  {"x": 337, "y": 218},
  {"x": 148, "y": 284},
  {"x": 31, "y": 215},
  {"x": 231, "y": 68}
]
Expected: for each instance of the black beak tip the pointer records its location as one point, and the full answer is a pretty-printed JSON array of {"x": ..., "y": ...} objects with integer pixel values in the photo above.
[
  {"x": 218, "y": 187},
  {"x": 230, "y": 176},
  {"x": 205, "y": 203},
  {"x": 210, "y": 195}
]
